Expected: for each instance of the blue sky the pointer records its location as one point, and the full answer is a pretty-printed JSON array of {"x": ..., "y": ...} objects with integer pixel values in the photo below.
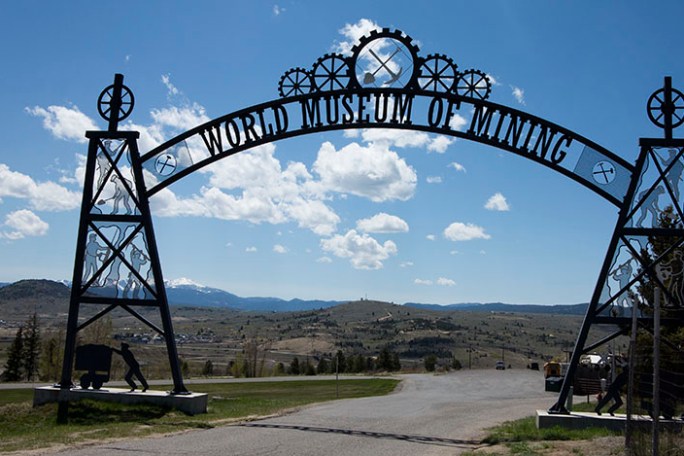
[{"x": 251, "y": 224}]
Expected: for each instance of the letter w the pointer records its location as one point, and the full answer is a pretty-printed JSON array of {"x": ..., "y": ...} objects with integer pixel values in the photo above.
[{"x": 214, "y": 144}]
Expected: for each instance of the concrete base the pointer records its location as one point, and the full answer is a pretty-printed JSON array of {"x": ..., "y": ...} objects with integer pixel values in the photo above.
[
  {"x": 192, "y": 403},
  {"x": 583, "y": 420}
]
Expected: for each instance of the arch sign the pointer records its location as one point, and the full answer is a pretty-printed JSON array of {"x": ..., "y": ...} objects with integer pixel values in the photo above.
[{"x": 384, "y": 83}]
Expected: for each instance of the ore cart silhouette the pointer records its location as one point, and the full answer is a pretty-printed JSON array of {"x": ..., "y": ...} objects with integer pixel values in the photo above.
[{"x": 97, "y": 361}]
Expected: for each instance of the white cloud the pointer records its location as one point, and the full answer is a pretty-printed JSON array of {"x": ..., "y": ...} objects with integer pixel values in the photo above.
[
  {"x": 64, "y": 123},
  {"x": 23, "y": 223},
  {"x": 458, "y": 231},
  {"x": 453, "y": 252},
  {"x": 433, "y": 180},
  {"x": 406, "y": 264},
  {"x": 440, "y": 144},
  {"x": 497, "y": 202},
  {"x": 279, "y": 248},
  {"x": 391, "y": 137},
  {"x": 458, "y": 122},
  {"x": 422, "y": 282},
  {"x": 493, "y": 80},
  {"x": 251, "y": 249},
  {"x": 430, "y": 237},
  {"x": 324, "y": 259},
  {"x": 43, "y": 196},
  {"x": 372, "y": 172},
  {"x": 352, "y": 33},
  {"x": 458, "y": 167},
  {"x": 518, "y": 94},
  {"x": 180, "y": 118},
  {"x": 382, "y": 223},
  {"x": 172, "y": 89},
  {"x": 445, "y": 282},
  {"x": 363, "y": 251},
  {"x": 278, "y": 10}
]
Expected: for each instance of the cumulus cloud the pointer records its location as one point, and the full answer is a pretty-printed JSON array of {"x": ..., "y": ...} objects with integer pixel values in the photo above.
[
  {"x": 518, "y": 94},
  {"x": 391, "y": 137},
  {"x": 382, "y": 223},
  {"x": 422, "y": 282},
  {"x": 363, "y": 251},
  {"x": 458, "y": 167},
  {"x": 458, "y": 231},
  {"x": 42, "y": 196},
  {"x": 324, "y": 259},
  {"x": 67, "y": 123},
  {"x": 458, "y": 122},
  {"x": 406, "y": 264},
  {"x": 497, "y": 202},
  {"x": 280, "y": 249},
  {"x": 445, "y": 282},
  {"x": 433, "y": 180},
  {"x": 278, "y": 10},
  {"x": 352, "y": 33},
  {"x": 430, "y": 237},
  {"x": 250, "y": 249},
  {"x": 372, "y": 172},
  {"x": 23, "y": 223}
]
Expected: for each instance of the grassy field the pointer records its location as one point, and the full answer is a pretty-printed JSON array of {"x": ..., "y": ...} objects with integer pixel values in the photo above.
[{"x": 24, "y": 427}]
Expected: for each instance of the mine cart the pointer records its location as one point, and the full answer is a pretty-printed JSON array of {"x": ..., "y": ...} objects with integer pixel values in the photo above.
[{"x": 97, "y": 361}]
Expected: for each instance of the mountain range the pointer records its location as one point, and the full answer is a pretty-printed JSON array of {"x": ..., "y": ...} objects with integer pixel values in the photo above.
[{"x": 184, "y": 292}]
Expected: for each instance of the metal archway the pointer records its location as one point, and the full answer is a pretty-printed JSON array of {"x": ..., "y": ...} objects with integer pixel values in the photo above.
[{"x": 385, "y": 83}]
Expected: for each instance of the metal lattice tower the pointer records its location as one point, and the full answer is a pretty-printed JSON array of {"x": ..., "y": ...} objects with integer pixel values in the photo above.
[{"x": 117, "y": 263}]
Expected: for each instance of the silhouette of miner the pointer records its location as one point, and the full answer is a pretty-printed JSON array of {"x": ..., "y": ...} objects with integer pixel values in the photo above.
[
  {"x": 613, "y": 393},
  {"x": 133, "y": 368}
]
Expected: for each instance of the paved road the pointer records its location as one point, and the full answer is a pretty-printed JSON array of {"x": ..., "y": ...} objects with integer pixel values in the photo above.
[{"x": 429, "y": 415}]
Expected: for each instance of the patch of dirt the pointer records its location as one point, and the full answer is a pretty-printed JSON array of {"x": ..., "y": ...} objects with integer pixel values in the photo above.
[
  {"x": 305, "y": 345},
  {"x": 601, "y": 446}
]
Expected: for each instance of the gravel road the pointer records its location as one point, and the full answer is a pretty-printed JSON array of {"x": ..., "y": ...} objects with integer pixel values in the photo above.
[{"x": 429, "y": 415}]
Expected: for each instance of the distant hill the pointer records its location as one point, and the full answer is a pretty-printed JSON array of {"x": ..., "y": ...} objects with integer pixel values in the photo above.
[
  {"x": 558, "y": 309},
  {"x": 197, "y": 295},
  {"x": 34, "y": 289},
  {"x": 51, "y": 296}
]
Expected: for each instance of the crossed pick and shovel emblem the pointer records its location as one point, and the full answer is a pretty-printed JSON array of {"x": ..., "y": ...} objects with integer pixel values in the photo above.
[{"x": 369, "y": 78}]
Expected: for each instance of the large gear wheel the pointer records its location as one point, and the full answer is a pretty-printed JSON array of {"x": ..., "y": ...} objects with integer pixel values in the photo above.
[
  {"x": 473, "y": 84},
  {"x": 330, "y": 72},
  {"x": 124, "y": 106},
  {"x": 438, "y": 73},
  {"x": 384, "y": 58},
  {"x": 659, "y": 108},
  {"x": 296, "y": 81}
]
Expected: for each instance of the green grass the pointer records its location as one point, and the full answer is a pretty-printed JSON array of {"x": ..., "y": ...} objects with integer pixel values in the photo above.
[
  {"x": 23, "y": 427},
  {"x": 525, "y": 430}
]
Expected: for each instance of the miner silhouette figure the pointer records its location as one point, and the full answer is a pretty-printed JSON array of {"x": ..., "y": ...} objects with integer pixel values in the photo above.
[{"x": 133, "y": 368}]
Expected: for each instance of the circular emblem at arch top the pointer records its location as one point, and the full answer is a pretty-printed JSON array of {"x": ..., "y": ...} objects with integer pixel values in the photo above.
[
  {"x": 384, "y": 59},
  {"x": 165, "y": 164},
  {"x": 604, "y": 172}
]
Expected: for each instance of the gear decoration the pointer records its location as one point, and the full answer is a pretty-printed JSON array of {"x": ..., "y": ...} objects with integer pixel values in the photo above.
[
  {"x": 296, "y": 81},
  {"x": 473, "y": 84},
  {"x": 110, "y": 108},
  {"x": 384, "y": 58},
  {"x": 330, "y": 72},
  {"x": 437, "y": 73},
  {"x": 389, "y": 59},
  {"x": 666, "y": 105}
]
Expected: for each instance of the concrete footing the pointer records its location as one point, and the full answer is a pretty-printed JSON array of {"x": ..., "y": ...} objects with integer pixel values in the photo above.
[
  {"x": 193, "y": 403},
  {"x": 583, "y": 420}
]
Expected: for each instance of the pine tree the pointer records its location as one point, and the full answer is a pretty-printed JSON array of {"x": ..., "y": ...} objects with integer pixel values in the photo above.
[
  {"x": 31, "y": 348},
  {"x": 14, "y": 364}
]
